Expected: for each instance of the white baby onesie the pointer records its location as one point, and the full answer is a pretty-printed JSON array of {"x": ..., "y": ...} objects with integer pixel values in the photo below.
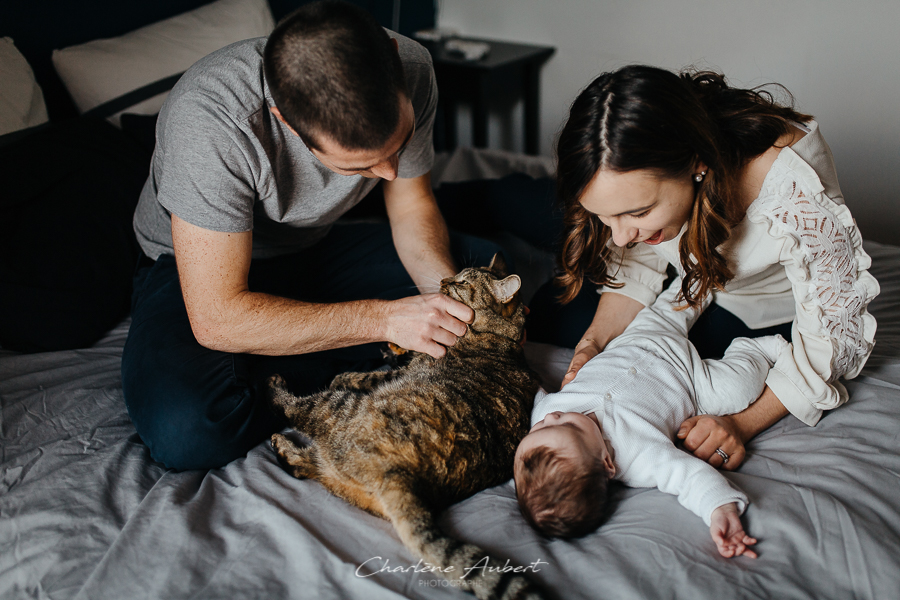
[{"x": 647, "y": 382}]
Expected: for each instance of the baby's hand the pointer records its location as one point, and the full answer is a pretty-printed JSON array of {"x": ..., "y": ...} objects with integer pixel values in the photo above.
[{"x": 728, "y": 532}]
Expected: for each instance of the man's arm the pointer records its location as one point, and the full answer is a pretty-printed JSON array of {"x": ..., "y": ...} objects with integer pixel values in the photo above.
[
  {"x": 419, "y": 231},
  {"x": 226, "y": 315}
]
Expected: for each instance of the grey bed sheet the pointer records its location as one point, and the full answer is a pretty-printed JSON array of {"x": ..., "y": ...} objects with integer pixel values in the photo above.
[{"x": 85, "y": 513}]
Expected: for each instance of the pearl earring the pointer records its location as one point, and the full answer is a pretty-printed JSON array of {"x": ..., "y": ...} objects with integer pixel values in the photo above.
[{"x": 699, "y": 176}]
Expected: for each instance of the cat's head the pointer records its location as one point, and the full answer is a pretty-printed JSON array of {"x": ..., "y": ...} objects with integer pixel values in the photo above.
[{"x": 494, "y": 296}]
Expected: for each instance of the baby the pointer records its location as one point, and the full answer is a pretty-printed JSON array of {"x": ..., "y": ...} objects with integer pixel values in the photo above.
[{"x": 617, "y": 420}]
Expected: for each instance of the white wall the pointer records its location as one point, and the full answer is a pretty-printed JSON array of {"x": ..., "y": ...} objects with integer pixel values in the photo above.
[{"x": 840, "y": 59}]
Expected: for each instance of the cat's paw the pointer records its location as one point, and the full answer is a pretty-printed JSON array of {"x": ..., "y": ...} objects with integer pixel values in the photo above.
[
  {"x": 280, "y": 399},
  {"x": 277, "y": 383},
  {"x": 284, "y": 449},
  {"x": 279, "y": 443},
  {"x": 295, "y": 459}
]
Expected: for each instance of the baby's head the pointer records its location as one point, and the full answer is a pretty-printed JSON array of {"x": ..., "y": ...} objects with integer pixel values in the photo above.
[{"x": 561, "y": 470}]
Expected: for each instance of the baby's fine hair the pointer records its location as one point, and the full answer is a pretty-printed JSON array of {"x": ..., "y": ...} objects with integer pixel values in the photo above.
[{"x": 559, "y": 497}]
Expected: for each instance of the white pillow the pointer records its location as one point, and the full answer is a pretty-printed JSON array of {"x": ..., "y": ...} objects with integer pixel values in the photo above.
[
  {"x": 103, "y": 70},
  {"x": 21, "y": 98}
]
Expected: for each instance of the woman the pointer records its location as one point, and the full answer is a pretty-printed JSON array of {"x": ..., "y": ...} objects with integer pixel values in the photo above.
[{"x": 738, "y": 194}]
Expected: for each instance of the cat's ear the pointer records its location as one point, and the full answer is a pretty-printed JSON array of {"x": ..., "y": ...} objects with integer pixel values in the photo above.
[
  {"x": 498, "y": 266},
  {"x": 505, "y": 289}
]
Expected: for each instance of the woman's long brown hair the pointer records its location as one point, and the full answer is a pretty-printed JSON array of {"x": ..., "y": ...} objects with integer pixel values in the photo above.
[{"x": 642, "y": 117}]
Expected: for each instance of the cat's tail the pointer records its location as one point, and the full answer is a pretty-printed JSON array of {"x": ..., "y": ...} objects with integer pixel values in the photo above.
[{"x": 466, "y": 565}]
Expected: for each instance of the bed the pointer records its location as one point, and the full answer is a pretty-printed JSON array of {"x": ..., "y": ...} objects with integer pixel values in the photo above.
[{"x": 86, "y": 514}]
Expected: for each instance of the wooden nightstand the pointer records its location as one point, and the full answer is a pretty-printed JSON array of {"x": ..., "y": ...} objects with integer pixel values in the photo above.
[{"x": 507, "y": 66}]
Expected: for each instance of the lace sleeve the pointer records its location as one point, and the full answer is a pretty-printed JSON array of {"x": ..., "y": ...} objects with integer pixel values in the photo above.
[{"x": 823, "y": 257}]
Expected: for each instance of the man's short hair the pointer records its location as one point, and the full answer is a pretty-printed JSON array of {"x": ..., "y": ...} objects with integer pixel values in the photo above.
[
  {"x": 560, "y": 497},
  {"x": 333, "y": 70}
]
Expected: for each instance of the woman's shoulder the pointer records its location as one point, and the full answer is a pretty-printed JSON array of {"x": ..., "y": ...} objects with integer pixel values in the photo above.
[
  {"x": 816, "y": 231},
  {"x": 800, "y": 176},
  {"x": 793, "y": 202},
  {"x": 759, "y": 171},
  {"x": 815, "y": 152}
]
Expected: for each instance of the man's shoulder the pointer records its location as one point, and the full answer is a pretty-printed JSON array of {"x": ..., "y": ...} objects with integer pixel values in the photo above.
[
  {"x": 230, "y": 78},
  {"x": 412, "y": 53}
]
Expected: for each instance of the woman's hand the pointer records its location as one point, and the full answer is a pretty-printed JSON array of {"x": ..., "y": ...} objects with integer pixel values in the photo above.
[
  {"x": 614, "y": 313},
  {"x": 704, "y": 434},
  {"x": 586, "y": 349}
]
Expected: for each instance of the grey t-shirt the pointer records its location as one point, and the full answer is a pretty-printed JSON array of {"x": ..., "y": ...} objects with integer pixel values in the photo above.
[{"x": 224, "y": 162}]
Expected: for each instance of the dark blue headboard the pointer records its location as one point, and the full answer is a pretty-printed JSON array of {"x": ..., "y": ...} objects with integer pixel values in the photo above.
[{"x": 39, "y": 27}]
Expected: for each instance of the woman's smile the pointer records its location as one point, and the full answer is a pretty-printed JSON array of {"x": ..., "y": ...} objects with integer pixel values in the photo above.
[
  {"x": 640, "y": 206},
  {"x": 656, "y": 238}
]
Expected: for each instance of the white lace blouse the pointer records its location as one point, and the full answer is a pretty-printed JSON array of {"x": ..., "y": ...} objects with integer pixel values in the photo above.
[{"x": 797, "y": 255}]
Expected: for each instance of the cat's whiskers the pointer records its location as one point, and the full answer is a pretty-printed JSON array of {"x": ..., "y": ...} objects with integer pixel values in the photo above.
[
  {"x": 430, "y": 289},
  {"x": 434, "y": 284}
]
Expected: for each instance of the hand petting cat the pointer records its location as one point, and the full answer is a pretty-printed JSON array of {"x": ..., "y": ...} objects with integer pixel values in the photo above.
[{"x": 429, "y": 323}]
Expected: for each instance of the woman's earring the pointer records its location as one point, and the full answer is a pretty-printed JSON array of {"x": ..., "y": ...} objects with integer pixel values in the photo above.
[{"x": 699, "y": 176}]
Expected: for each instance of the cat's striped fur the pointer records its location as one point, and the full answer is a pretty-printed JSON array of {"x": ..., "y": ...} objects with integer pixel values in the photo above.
[{"x": 406, "y": 444}]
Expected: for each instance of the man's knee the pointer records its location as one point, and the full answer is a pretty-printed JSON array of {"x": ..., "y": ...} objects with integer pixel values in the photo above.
[
  {"x": 185, "y": 430},
  {"x": 194, "y": 412}
]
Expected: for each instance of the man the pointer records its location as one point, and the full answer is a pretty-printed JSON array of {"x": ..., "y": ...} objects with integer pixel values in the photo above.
[{"x": 260, "y": 148}]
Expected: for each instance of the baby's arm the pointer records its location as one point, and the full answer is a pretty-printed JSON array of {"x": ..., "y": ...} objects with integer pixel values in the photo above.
[
  {"x": 699, "y": 487},
  {"x": 728, "y": 532}
]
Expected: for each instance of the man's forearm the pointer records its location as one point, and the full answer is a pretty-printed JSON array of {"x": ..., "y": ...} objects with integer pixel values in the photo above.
[
  {"x": 426, "y": 257},
  {"x": 419, "y": 231},
  {"x": 258, "y": 323},
  {"x": 423, "y": 245}
]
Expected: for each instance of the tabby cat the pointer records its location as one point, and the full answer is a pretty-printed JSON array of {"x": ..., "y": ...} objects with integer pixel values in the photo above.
[{"x": 405, "y": 444}]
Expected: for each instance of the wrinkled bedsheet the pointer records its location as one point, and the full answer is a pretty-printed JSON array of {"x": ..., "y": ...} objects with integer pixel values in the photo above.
[{"x": 85, "y": 513}]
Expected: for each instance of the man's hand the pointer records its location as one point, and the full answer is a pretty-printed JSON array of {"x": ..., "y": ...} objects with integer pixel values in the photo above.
[
  {"x": 728, "y": 532},
  {"x": 429, "y": 323},
  {"x": 704, "y": 434}
]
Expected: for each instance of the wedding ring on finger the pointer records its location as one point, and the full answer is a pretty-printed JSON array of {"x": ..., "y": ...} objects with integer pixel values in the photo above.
[{"x": 723, "y": 454}]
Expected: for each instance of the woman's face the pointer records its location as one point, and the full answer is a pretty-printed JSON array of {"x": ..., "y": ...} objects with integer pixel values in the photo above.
[{"x": 640, "y": 206}]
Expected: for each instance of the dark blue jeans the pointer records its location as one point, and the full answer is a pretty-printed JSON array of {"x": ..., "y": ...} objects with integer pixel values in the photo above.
[{"x": 197, "y": 408}]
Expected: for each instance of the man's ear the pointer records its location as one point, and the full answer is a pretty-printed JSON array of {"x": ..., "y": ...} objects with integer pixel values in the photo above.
[
  {"x": 396, "y": 45},
  {"x": 278, "y": 116}
]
